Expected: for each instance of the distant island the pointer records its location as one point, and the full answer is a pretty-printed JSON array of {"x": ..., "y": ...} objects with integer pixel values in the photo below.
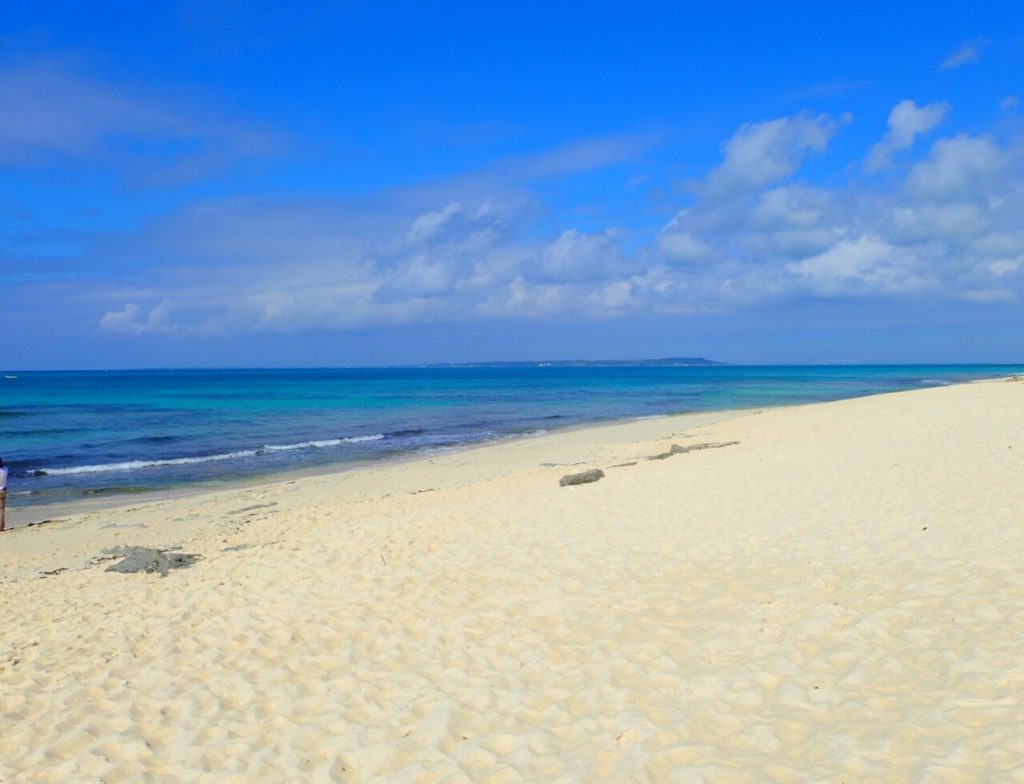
[{"x": 663, "y": 362}]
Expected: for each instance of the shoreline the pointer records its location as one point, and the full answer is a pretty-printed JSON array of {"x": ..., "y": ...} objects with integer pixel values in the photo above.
[
  {"x": 29, "y": 514},
  {"x": 19, "y": 516},
  {"x": 822, "y": 592},
  {"x": 60, "y": 501}
]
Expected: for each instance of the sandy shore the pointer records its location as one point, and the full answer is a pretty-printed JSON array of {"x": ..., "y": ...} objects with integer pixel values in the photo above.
[{"x": 837, "y": 597}]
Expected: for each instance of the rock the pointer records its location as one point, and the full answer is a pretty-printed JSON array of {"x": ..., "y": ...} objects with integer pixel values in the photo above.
[
  {"x": 236, "y": 547},
  {"x": 583, "y": 478},
  {"x": 149, "y": 560},
  {"x": 682, "y": 450}
]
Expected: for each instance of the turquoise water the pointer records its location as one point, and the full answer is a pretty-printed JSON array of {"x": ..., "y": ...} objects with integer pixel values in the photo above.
[{"x": 69, "y": 434}]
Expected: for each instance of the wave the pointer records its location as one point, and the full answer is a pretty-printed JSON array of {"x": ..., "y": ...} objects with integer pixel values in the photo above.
[
  {"x": 133, "y": 465},
  {"x": 419, "y": 439},
  {"x": 934, "y": 382},
  {"x": 320, "y": 444}
]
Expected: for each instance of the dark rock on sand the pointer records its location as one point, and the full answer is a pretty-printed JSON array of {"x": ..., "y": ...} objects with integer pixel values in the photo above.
[
  {"x": 662, "y": 455},
  {"x": 583, "y": 478},
  {"x": 149, "y": 560},
  {"x": 682, "y": 450},
  {"x": 679, "y": 450}
]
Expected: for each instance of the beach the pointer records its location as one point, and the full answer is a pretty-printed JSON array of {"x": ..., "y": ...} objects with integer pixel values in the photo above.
[{"x": 829, "y": 592}]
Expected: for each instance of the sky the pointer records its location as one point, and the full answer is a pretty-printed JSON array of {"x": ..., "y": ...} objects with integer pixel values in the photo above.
[{"x": 320, "y": 184}]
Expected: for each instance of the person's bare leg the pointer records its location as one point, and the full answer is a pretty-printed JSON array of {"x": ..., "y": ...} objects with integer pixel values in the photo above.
[{"x": 3, "y": 508}]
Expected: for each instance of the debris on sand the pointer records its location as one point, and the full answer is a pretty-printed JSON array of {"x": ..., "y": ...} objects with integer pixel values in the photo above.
[
  {"x": 682, "y": 450},
  {"x": 586, "y": 477},
  {"x": 149, "y": 560}
]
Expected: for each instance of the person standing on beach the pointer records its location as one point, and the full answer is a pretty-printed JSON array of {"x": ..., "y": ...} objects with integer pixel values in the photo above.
[{"x": 3, "y": 492}]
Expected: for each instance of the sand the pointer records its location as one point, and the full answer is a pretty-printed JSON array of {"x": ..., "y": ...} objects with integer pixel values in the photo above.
[{"x": 837, "y": 597}]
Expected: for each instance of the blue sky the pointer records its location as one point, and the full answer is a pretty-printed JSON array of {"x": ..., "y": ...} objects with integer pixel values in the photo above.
[{"x": 349, "y": 183}]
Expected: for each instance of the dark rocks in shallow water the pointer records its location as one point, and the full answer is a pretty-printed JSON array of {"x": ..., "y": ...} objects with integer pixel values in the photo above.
[
  {"x": 149, "y": 560},
  {"x": 586, "y": 477}
]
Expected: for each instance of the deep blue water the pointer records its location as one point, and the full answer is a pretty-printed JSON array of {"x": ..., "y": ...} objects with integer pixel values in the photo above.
[{"x": 68, "y": 434}]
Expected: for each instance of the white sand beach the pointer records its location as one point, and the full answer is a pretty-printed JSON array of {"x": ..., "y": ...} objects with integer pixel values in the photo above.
[{"x": 838, "y": 596}]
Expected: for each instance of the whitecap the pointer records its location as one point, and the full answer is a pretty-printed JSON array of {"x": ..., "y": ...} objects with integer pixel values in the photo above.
[{"x": 132, "y": 465}]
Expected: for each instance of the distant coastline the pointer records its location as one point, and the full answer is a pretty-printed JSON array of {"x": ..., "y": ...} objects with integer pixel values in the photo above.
[{"x": 661, "y": 362}]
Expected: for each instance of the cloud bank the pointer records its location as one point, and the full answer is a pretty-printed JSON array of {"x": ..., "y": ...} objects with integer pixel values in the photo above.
[
  {"x": 916, "y": 217},
  {"x": 947, "y": 226}
]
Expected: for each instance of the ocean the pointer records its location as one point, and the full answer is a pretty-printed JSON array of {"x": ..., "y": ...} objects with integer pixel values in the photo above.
[{"x": 67, "y": 435}]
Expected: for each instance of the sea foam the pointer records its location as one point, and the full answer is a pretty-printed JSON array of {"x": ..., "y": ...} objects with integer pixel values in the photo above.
[{"x": 132, "y": 465}]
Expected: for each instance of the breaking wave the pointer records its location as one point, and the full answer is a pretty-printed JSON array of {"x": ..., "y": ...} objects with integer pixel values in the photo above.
[{"x": 133, "y": 465}]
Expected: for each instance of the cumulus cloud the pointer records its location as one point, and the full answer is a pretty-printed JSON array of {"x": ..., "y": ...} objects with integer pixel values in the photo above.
[
  {"x": 967, "y": 53},
  {"x": 461, "y": 261},
  {"x": 676, "y": 244},
  {"x": 950, "y": 227},
  {"x": 907, "y": 121},
  {"x": 576, "y": 256},
  {"x": 959, "y": 167},
  {"x": 860, "y": 264},
  {"x": 953, "y": 227},
  {"x": 127, "y": 319},
  {"x": 761, "y": 153}
]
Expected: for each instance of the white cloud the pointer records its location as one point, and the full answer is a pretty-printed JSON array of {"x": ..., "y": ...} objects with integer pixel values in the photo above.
[
  {"x": 766, "y": 152},
  {"x": 678, "y": 245},
  {"x": 792, "y": 221},
  {"x": 522, "y": 299},
  {"x": 861, "y": 265},
  {"x": 907, "y": 121},
  {"x": 951, "y": 229},
  {"x": 990, "y": 296},
  {"x": 967, "y": 53},
  {"x": 429, "y": 224},
  {"x": 132, "y": 319},
  {"x": 124, "y": 320},
  {"x": 947, "y": 227},
  {"x": 957, "y": 167},
  {"x": 576, "y": 256},
  {"x": 1005, "y": 267}
]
